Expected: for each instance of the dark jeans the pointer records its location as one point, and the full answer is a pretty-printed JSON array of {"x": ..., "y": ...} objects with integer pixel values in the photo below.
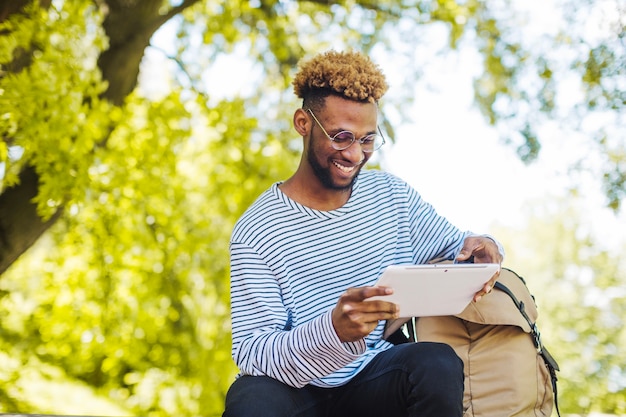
[{"x": 413, "y": 379}]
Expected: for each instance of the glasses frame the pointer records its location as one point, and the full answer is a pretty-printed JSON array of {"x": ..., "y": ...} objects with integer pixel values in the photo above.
[{"x": 361, "y": 140}]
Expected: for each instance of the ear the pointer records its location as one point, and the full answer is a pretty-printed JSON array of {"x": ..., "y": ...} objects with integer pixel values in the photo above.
[{"x": 302, "y": 122}]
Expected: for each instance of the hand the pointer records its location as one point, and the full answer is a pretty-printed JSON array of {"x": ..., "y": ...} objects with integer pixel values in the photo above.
[
  {"x": 484, "y": 250},
  {"x": 354, "y": 317}
]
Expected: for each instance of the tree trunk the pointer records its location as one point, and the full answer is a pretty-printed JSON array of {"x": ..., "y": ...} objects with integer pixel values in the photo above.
[{"x": 20, "y": 226}]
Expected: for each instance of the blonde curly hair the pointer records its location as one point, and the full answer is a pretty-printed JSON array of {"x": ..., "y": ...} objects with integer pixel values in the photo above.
[{"x": 351, "y": 75}]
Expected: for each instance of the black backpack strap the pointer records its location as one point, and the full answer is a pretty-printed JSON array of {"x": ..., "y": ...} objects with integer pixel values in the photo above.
[{"x": 550, "y": 362}]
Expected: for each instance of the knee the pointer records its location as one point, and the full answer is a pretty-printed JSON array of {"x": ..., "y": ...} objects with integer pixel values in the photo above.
[
  {"x": 437, "y": 379},
  {"x": 440, "y": 359},
  {"x": 436, "y": 367},
  {"x": 253, "y": 397}
]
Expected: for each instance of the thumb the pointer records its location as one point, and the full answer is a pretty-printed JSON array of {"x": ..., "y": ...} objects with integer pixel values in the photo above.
[
  {"x": 464, "y": 254},
  {"x": 469, "y": 246}
]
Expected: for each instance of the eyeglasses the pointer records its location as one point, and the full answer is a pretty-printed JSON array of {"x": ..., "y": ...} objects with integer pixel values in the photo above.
[{"x": 344, "y": 139}]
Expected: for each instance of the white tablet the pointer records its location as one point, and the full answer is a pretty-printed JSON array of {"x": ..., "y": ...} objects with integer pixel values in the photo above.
[{"x": 434, "y": 290}]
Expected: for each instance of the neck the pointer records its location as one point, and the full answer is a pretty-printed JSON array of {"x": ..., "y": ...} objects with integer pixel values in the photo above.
[{"x": 316, "y": 197}]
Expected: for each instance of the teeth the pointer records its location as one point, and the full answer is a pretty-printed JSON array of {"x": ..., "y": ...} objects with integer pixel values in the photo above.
[{"x": 344, "y": 168}]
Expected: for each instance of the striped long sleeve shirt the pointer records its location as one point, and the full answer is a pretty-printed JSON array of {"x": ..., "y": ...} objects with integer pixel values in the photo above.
[{"x": 290, "y": 264}]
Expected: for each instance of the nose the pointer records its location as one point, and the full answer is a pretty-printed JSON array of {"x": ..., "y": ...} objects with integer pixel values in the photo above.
[{"x": 354, "y": 153}]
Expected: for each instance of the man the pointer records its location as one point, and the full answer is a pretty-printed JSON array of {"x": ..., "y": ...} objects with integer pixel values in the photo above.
[{"x": 304, "y": 259}]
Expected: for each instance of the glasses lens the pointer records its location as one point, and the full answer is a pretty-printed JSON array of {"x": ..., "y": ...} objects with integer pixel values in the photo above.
[
  {"x": 371, "y": 143},
  {"x": 342, "y": 140}
]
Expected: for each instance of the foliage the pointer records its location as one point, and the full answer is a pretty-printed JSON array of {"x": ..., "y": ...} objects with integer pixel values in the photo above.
[
  {"x": 580, "y": 289},
  {"x": 128, "y": 293},
  {"x": 53, "y": 103},
  {"x": 572, "y": 73}
]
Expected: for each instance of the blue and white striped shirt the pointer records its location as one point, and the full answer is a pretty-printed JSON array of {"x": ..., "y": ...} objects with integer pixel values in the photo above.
[{"x": 290, "y": 264}]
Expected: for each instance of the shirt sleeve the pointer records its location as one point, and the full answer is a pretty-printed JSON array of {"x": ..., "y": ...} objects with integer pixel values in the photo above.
[
  {"x": 432, "y": 235},
  {"x": 264, "y": 342}
]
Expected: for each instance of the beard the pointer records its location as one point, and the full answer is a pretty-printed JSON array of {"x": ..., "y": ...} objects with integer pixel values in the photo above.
[{"x": 324, "y": 175}]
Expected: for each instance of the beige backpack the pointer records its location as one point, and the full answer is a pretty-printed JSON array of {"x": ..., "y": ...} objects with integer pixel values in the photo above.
[{"x": 508, "y": 372}]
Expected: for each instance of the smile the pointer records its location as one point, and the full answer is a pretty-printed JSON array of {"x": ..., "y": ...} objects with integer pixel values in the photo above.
[{"x": 344, "y": 168}]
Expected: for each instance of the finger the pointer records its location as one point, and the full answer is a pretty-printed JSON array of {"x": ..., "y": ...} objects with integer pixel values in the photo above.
[
  {"x": 464, "y": 254},
  {"x": 487, "y": 288},
  {"x": 354, "y": 320},
  {"x": 381, "y": 307},
  {"x": 487, "y": 255},
  {"x": 357, "y": 306},
  {"x": 354, "y": 303},
  {"x": 491, "y": 283},
  {"x": 470, "y": 245},
  {"x": 372, "y": 317},
  {"x": 486, "y": 251},
  {"x": 363, "y": 293},
  {"x": 483, "y": 291}
]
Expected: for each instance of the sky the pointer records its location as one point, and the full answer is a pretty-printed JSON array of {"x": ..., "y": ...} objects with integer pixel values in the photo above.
[
  {"x": 451, "y": 155},
  {"x": 447, "y": 150},
  {"x": 456, "y": 160}
]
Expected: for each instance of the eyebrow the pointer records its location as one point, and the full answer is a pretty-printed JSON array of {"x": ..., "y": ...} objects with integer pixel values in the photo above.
[{"x": 333, "y": 132}]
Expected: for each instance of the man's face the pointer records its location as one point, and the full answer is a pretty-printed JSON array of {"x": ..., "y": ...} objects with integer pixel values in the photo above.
[{"x": 337, "y": 170}]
